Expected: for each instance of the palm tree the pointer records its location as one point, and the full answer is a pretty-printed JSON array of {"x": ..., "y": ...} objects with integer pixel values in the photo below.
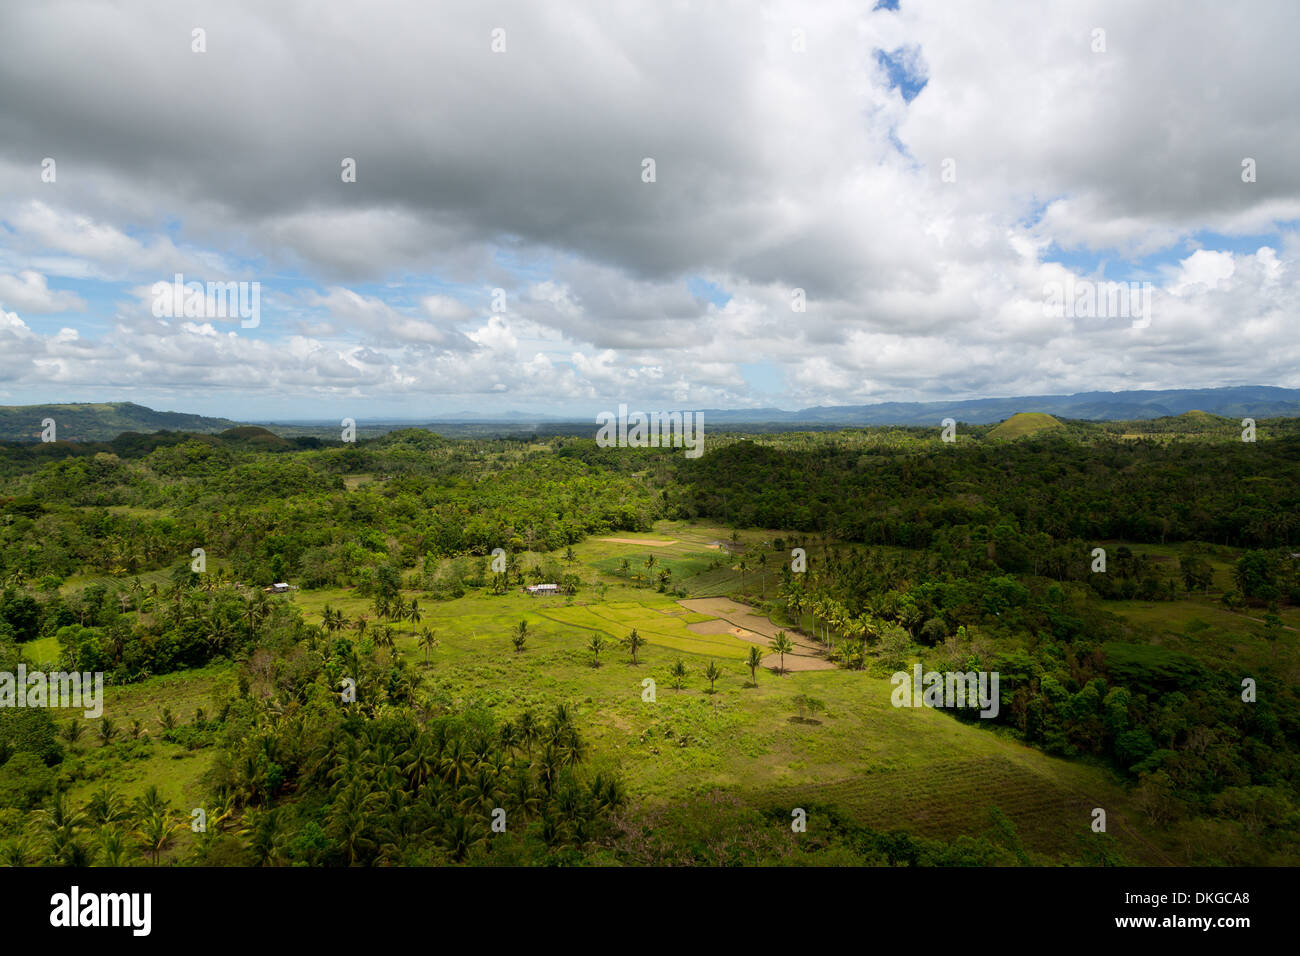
[
  {"x": 107, "y": 807},
  {"x": 782, "y": 645},
  {"x": 156, "y": 830},
  {"x": 413, "y": 612},
  {"x": 754, "y": 660},
  {"x": 256, "y": 611},
  {"x": 106, "y": 731},
  {"x": 397, "y": 609},
  {"x": 528, "y": 731},
  {"x": 634, "y": 642},
  {"x": 596, "y": 645},
  {"x": 421, "y": 762},
  {"x": 61, "y": 821},
  {"x": 712, "y": 673},
  {"x": 678, "y": 672},
  {"x": 428, "y": 641},
  {"x": 520, "y": 636},
  {"x": 72, "y": 732},
  {"x": 112, "y": 846},
  {"x": 266, "y": 836}
]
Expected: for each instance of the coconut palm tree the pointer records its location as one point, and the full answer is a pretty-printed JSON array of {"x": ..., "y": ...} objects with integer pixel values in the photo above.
[
  {"x": 712, "y": 673},
  {"x": 634, "y": 642},
  {"x": 782, "y": 645},
  {"x": 528, "y": 730},
  {"x": 71, "y": 732},
  {"x": 256, "y": 611},
  {"x": 754, "y": 660},
  {"x": 61, "y": 821},
  {"x": 107, "y": 731},
  {"x": 428, "y": 641},
  {"x": 678, "y": 673},
  {"x": 107, "y": 807},
  {"x": 156, "y": 830},
  {"x": 596, "y": 645},
  {"x": 519, "y": 637},
  {"x": 397, "y": 609},
  {"x": 112, "y": 846}
]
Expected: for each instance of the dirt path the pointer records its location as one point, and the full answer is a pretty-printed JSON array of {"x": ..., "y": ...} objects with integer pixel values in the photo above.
[{"x": 740, "y": 621}]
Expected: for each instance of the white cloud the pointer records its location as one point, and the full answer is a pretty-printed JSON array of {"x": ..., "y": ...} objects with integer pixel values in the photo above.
[
  {"x": 776, "y": 170},
  {"x": 30, "y": 292}
]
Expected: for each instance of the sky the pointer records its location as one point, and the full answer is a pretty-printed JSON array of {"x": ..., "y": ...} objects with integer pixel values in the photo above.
[{"x": 847, "y": 202}]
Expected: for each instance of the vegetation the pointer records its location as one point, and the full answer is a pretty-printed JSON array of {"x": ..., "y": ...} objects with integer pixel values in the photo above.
[{"x": 407, "y": 689}]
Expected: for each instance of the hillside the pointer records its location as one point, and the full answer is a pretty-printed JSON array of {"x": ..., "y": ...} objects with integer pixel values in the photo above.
[
  {"x": 1256, "y": 401},
  {"x": 1024, "y": 423},
  {"x": 99, "y": 421},
  {"x": 1182, "y": 411}
]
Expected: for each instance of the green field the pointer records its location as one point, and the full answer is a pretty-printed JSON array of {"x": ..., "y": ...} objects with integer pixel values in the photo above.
[{"x": 919, "y": 769}]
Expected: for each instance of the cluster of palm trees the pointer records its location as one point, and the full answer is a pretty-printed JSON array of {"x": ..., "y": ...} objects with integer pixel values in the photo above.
[
  {"x": 848, "y": 635},
  {"x": 665, "y": 576},
  {"x": 634, "y": 641},
  {"x": 108, "y": 830},
  {"x": 746, "y": 564},
  {"x": 397, "y": 608},
  {"x": 781, "y": 644},
  {"x": 398, "y": 792}
]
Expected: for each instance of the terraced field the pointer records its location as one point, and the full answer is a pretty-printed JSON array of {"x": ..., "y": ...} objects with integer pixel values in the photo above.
[{"x": 664, "y": 626}]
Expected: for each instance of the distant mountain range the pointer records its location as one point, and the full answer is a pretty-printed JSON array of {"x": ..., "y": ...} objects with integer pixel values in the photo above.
[
  {"x": 1255, "y": 401},
  {"x": 107, "y": 420}
]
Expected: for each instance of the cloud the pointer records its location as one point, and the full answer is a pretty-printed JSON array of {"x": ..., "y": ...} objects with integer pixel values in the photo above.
[
  {"x": 776, "y": 170},
  {"x": 30, "y": 292}
]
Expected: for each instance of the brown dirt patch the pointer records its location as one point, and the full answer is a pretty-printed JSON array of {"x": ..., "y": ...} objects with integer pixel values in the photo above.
[
  {"x": 740, "y": 621},
  {"x": 653, "y": 544}
]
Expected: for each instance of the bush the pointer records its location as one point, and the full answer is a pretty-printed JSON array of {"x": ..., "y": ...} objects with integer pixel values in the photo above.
[
  {"x": 30, "y": 730},
  {"x": 25, "y": 782}
]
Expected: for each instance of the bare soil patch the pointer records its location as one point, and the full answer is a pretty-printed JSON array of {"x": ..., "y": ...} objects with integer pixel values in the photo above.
[
  {"x": 653, "y": 544},
  {"x": 740, "y": 621}
]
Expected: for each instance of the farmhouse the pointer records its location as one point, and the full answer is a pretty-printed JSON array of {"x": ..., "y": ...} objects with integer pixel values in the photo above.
[
  {"x": 542, "y": 589},
  {"x": 280, "y": 588}
]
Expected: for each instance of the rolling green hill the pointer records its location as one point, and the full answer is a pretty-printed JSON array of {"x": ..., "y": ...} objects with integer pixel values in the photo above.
[
  {"x": 1024, "y": 423},
  {"x": 99, "y": 421}
]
